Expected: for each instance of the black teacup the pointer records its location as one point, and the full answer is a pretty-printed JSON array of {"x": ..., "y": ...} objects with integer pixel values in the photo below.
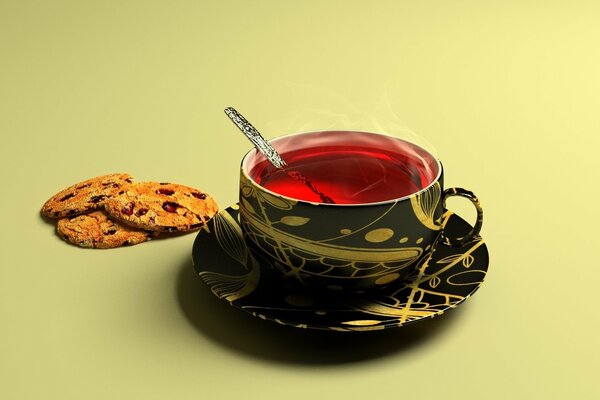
[{"x": 351, "y": 211}]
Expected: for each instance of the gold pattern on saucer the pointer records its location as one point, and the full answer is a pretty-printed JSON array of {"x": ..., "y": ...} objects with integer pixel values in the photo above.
[
  {"x": 229, "y": 236},
  {"x": 441, "y": 281},
  {"x": 418, "y": 305},
  {"x": 362, "y": 322}
]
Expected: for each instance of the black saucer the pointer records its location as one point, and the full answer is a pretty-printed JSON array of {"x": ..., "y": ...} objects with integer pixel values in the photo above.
[{"x": 236, "y": 274}]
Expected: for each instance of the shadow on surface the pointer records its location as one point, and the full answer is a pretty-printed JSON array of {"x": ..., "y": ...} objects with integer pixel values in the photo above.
[{"x": 242, "y": 332}]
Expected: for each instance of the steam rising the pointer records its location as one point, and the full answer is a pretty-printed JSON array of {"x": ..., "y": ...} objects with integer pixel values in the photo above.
[
  {"x": 316, "y": 108},
  {"x": 321, "y": 110}
]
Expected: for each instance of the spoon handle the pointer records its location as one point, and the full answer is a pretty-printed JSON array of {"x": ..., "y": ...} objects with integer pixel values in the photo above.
[{"x": 255, "y": 137}]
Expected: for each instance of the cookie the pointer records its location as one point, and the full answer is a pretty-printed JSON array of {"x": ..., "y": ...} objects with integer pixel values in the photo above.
[
  {"x": 167, "y": 207},
  {"x": 85, "y": 196},
  {"x": 96, "y": 230}
]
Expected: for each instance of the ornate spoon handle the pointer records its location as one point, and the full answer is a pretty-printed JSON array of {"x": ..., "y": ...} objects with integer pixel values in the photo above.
[
  {"x": 255, "y": 137},
  {"x": 272, "y": 155}
]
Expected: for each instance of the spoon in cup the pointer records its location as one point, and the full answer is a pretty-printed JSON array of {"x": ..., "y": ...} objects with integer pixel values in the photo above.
[{"x": 270, "y": 153}]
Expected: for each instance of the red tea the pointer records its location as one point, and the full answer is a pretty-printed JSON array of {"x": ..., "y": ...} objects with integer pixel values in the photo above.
[{"x": 348, "y": 167}]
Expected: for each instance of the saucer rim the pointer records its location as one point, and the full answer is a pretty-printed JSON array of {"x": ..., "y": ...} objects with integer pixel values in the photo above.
[{"x": 383, "y": 325}]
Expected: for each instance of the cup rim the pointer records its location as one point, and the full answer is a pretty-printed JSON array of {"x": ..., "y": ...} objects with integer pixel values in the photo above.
[{"x": 316, "y": 203}]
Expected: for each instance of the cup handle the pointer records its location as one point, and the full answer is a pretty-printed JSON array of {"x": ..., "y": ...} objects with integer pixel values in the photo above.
[{"x": 457, "y": 242}]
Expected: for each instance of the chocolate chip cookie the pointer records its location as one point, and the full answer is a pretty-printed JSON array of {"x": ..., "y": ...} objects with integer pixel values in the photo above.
[
  {"x": 96, "y": 230},
  {"x": 167, "y": 207},
  {"x": 86, "y": 196}
]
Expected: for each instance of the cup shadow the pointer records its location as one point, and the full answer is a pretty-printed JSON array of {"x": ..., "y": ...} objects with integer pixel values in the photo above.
[{"x": 241, "y": 332}]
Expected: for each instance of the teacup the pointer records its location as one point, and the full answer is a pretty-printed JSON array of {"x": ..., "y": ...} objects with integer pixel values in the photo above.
[{"x": 352, "y": 211}]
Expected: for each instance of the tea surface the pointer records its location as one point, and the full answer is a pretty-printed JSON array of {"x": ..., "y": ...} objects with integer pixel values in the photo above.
[{"x": 347, "y": 174}]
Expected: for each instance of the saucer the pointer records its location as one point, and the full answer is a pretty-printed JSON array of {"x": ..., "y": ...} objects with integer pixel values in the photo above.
[{"x": 236, "y": 274}]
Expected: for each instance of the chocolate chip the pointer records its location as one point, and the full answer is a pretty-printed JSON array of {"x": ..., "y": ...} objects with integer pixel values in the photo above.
[
  {"x": 121, "y": 192},
  {"x": 67, "y": 197},
  {"x": 163, "y": 183},
  {"x": 206, "y": 218},
  {"x": 71, "y": 212},
  {"x": 167, "y": 192},
  {"x": 128, "y": 180},
  {"x": 127, "y": 209},
  {"x": 201, "y": 196},
  {"x": 170, "y": 206},
  {"x": 141, "y": 211},
  {"x": 98, "y": 198},
  {"x": 111, "y": 231}
]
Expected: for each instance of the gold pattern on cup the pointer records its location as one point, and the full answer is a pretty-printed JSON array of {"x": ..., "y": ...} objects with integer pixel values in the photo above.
[{"x": 379, "y": 235}]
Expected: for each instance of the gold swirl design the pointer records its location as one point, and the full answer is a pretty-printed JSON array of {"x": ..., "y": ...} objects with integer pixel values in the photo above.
[
  {"x": 400, "y": 311},
  {"x": 466, "y": 261},
  {"x": 424, "y": 286},
  {"x": 230, "y": 238},
  {"x": 232, "y": 288},
  {"x": 300, "y": 257},
  {"x": 425, "y": 294},
  {"x": 351, "y": 254},
  {"x": 424, "y": 205},
  {"x": 474, "y": 276}
]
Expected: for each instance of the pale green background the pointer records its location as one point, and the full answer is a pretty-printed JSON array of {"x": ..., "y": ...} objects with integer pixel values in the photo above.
[{"x": 507, "y": 93}]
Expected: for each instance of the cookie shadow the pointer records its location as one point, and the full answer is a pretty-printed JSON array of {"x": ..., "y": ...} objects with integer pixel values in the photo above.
[{"x": 241, "y": 332}]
